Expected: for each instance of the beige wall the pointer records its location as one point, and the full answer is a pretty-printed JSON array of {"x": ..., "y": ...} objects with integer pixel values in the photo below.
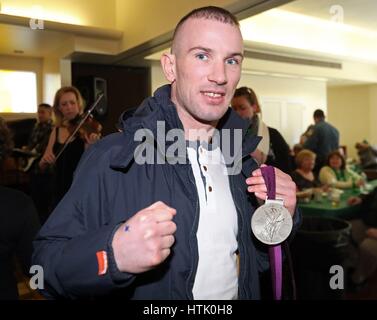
[
  {"x": 309, "y": 93},
  {"x": 352, "y": 109},
  {"x": 373, "y": 114},
  {"x": 51, "y": 79},
  {"x": 294, "y": 99},
  {"x": 157, "y": 76}
]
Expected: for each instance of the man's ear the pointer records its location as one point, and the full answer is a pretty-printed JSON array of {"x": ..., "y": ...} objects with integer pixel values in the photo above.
[{"x": 168, "y": 66}]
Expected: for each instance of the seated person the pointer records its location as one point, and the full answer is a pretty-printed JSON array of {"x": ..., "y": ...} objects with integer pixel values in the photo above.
[
  {"x": 364, "y": 233},
  {"x": 6, "y": 141},
  {"x": 335, "y": 173},
  {"x": 303, "y": 176},
  {"x": 6, "y": 146},
  {"x": 41, "y": 181},
  {"x": 42, "y": 129},
  {"x": 367, "y": 155}
]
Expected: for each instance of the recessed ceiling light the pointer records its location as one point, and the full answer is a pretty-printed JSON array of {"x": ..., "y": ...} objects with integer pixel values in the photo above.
[{"x": 18, "y": 51}]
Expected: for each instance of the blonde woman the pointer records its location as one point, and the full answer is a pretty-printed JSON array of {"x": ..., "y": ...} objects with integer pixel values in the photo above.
[
  {"x": 303, "y": 176},
  {"x": 68, "y": 105}
]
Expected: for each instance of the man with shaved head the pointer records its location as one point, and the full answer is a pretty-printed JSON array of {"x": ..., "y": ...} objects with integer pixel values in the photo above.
[{"x": 176, "y": 226}]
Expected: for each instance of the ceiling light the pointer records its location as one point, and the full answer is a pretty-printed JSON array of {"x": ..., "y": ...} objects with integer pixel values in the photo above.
[{"x": 292, "y": 30}]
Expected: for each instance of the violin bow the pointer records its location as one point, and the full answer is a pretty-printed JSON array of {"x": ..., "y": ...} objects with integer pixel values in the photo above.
[{"x": 87, "y": 114}]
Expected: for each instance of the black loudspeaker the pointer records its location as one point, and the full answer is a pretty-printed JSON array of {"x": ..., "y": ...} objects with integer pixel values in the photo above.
[{"x": 90, "y": 88}]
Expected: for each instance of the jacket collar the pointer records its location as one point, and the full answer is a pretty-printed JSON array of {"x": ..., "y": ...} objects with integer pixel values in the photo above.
[{"x": 159, "y": 107}]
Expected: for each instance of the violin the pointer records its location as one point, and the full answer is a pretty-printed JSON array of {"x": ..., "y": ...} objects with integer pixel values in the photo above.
[
  {"x": 83, "y": 125},
  {"x": 87, "y": 127}
]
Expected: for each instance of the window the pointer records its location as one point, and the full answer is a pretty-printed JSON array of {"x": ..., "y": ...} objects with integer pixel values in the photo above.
[{"x": 18, "y": 91}]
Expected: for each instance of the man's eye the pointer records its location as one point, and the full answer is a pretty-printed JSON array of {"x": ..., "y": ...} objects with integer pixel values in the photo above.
[
  {"x": 232, "y": 61},
  {"x": 202, "y": 56}
]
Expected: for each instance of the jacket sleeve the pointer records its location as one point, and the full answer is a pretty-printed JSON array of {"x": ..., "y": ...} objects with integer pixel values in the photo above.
[{"x": 74, "y": 245}]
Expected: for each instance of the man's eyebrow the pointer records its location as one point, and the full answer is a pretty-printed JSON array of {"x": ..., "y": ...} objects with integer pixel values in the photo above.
[
  {"x": 200, "y": 48},
  {"x": 210, "y": 50},
  {"x": 237, "y": 54}
]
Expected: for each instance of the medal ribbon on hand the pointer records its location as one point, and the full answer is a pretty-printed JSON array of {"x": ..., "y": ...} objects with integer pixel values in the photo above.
[{"x": 268, "y": 174}]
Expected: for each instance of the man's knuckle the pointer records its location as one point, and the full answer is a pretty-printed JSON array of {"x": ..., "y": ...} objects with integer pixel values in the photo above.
[
  {"x": 156, "y": 259},
  {"x": 149, "y": 233},
  {"x": 173, "y": 227}
]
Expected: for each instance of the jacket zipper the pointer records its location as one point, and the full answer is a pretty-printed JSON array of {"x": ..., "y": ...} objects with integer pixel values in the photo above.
[
  {"x": 242, "y": 250},
  {"x": 194, "y": 229}
]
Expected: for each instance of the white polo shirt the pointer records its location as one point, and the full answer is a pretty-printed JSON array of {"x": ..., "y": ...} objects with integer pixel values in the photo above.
[{"x": 216, "y": 276}]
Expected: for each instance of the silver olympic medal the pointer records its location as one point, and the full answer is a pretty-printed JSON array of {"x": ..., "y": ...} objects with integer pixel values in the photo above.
[{"x": 271, "y": 223}]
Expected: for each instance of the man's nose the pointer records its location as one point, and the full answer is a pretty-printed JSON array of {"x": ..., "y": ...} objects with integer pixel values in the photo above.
[{"x": 218, "y": 73}]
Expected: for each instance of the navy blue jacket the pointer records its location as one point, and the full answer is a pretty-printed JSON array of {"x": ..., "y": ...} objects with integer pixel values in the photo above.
[{"x": 109, "y": 187}]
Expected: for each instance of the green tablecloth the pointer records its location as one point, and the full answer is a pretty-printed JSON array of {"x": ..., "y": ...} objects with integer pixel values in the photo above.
[{"x": 327, "y": 209}]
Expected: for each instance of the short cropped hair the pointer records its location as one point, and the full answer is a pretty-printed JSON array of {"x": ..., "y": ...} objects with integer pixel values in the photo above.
[
  {"x": 319, "y": 114},
  {"x": 210, "y": 13},
  {"x": 302, "y": 155},
  {"x": 45, "y": 105}
]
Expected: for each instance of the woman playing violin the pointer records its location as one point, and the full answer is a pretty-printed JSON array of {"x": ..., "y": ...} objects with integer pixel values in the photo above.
[{"x": 68, "y": 106}]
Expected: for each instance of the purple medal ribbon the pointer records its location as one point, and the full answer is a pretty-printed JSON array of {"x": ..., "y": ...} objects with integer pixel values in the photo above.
[{"x": 268, "y": 174}]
